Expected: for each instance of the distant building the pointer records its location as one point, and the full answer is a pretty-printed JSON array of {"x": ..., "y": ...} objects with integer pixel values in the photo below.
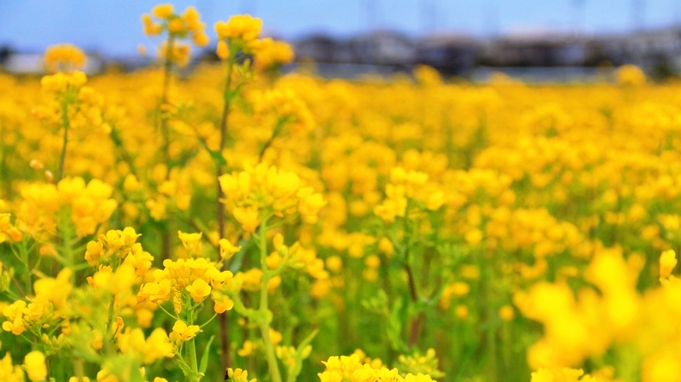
[
  {"x": 32, "y": 63},
  {"x": 648, "y": 49},
  {"x": 317, "y": 48},
  {"x": 449, "y": 54},
  {"x": 545, "y": 50},
  {"x": 383, "y": 48}
]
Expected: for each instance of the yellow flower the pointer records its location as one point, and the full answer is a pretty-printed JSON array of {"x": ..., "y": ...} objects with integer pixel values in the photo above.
[
  {"x": 64, "y": 57},
  {"x": 157, "y": 346},
  {"x": 131, "y": 183},
  {"x": 334, "y": 263},
  {"x": 199, "y": 290},
  {"x": 176, "y": 26},
  {"x": 181, "y": 332},
  {"x": 427, "y": 75},
  {"x": 271, "y": 53},
  {"x": 246, "y": 349},
  {"x": 191, "y": 242},
  {"x": 222, "y": 303},
  {"x": 150, "y": 27},
  {"x": 227, "y": 249},
  {"x": 56, "y": 290},
  {"x": 310, "y": 204},
  {"x": 418, "y": 378},
  {"x": 200, "y": 39},
  {"x": 115, "y": 282},
  {"x": 473, "y": 236},
  {"x": 180, "y": 53},
  {"x": 7, "y": 231},
  {"x": 238, "y": 375},
  {"x": 506, "y": 313},
  {"x": 192, "y": 18},
  {"x": 248, "y": 218},
  {"x": 35, "y": 366},
  {"x": 222, "y": 50},
  {"x": 93, "y": 251},
  {"x": 667, "y": 263},
  {"x": 630, "y": 75},
  {"x": 148, "y": 350},
  {"x": 106, "y": 376},
  {"x": 162, "y": 11},
  {"x": 9, "y": 372},
  {"x": 462, "y": 311},
  {"x": 15, "y": 317},
  {"x": 61, "y": 82},
  {"x": 156, "y": 291},
  {"x": 330, "y": 376},
  {"x": 275, "y": 337},
  {"x": 242, "y": 31}
]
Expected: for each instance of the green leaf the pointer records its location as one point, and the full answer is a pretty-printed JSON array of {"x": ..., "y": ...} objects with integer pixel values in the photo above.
[
  {"x": 303, "y": 347},
  {"x": 204, "y": 358},
  {"x": 217, "y": 157},
  {"x": 186, "y": 370},
  {"x": 395, "y": 326},
  {"x": 231, "y": 94},
  {"x": 307, "y": 340}
]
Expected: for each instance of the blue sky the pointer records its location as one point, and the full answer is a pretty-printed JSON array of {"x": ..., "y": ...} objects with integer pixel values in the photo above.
[{"x": 113, "y": 26}]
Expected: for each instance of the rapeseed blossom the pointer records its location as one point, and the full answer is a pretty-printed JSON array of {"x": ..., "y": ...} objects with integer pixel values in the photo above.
[{"x": 490, "y": 231}]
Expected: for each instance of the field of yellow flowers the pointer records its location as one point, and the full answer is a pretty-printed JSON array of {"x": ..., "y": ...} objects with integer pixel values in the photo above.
[{"x": 237, "y": 224}]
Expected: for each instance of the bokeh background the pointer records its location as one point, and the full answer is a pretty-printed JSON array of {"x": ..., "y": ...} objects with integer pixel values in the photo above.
[{"x": 458, "y": 37}]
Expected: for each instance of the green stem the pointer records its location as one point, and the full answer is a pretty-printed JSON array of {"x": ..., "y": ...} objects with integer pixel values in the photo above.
[
  {"x": 168, "y": 313},
  {"x": 110, "y": 319},
  {"x": 13, "y": 295},
  {"x": 120, "y": 145},
  {"x": 220, "y": 209},
  {"x": 167, "y": 70},
  {"x": 165, "y": 132},
  {"x": 24, "y": 259},
  {"x": 264, "y": 310},
  {"x": 192, "y": 350},
  {"x": 78, "y": 369},
  {"x": 416, "y": 322},
  {"x": 65, "y": 124},
  {"x": 487, "y": 289},
  {"x": 66, "y": 240},
  {"x": 209, "y": 320},
  {"x": 224, "y": 119},
  {"x": 275, "y": 132}
]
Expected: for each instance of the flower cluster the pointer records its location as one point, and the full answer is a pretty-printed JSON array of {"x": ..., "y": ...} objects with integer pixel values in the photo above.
[
  {"x": 259, "y": 192},
  {"x": 352, "y": 369},
  {"x": 42, "y": 206},
  {"x": 241, "y": 32},
  {"x": 184, "y": 281},
  {"x": 406, "y": 186},
  {"x": 64, "y": 58},
  {"x": 178, "y": 26}
]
